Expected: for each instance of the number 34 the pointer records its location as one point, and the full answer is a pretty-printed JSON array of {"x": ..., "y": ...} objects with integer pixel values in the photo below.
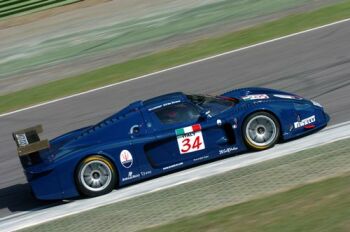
[{"x": 186, "y": 144}]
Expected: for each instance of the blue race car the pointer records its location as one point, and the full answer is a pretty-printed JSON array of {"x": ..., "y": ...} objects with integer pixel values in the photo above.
[{"x": 160, "y": 135}]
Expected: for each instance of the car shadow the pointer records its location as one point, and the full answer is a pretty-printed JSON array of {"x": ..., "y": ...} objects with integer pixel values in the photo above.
[{"x": 18, "y": 198}]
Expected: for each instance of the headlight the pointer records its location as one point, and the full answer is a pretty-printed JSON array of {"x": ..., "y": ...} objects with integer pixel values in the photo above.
[{"x": 316, "y": 104}]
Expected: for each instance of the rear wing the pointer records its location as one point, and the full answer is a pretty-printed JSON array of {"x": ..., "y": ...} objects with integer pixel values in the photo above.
[{"x": 28, "y": 140}]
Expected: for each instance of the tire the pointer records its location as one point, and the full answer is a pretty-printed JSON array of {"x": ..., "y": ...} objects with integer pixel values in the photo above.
[
  {"x": 95, "y": 176},
  {"x": 261, "y": 130}
]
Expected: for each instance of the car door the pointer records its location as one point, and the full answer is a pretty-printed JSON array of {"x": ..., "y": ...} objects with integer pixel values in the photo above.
[{"x": 182, "y": 134}]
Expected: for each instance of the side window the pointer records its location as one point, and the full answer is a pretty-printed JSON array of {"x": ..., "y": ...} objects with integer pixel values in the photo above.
[{"x": 177, "y": 113}]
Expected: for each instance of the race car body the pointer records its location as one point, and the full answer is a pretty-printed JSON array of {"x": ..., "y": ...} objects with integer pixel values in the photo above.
[{"x": 161, "y": 135}]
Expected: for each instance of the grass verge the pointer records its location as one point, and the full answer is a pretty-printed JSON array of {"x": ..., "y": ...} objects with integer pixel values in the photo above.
[
  {"x": 322, "y": 206},
  {"x": 130, "y": 69},
  {"x": 16, "y": 7}
]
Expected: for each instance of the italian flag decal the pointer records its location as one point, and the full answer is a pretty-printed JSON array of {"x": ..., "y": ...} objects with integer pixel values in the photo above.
[{"x": 189, "y": 129}]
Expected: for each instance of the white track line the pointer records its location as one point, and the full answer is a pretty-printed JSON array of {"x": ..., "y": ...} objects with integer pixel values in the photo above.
[
  {"x": 176, "y": 67},
  {"x": 38, "y": 216}
]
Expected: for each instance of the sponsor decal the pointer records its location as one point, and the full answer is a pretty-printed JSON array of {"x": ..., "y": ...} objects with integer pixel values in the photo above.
[
  {"x": 305, "y": 122},
  {"x": 130, "y": 176},
  {"x": 190, "y": 139},
  {"x": 165, "y": 104},
  {"x": 154, "y": 108},
  {"x": 255, "y": 97},
  {"x": 173, "y": 166},
  {"x": 227, "y": 150},
  {"x": 126, "y": 158},
  {"x": 146, "y": 173},
  {"x": 201, "y": 158},
  {"x": 284, "y": 96}
]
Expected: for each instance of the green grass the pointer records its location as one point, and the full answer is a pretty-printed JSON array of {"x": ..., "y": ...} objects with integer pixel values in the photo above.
[
  {"x": 322, "y": 206},
  {"x": 137, "y": 31},
  {"x": 180, "y": 55},
  {"x": 20, "y": 7}
]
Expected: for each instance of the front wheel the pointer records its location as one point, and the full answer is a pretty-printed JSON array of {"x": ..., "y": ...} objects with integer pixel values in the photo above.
[
  {"x": 95, "y": 176},
  {"x": 261, "y": 131}
]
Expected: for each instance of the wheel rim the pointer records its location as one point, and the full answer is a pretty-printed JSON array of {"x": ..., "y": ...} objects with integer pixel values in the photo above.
[
  {"x": 96, "y": 175},
  {"x": 261, "y": 131}
]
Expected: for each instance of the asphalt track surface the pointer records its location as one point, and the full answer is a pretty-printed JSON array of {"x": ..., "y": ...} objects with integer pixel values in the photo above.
[{"x": 314, "y": 65}]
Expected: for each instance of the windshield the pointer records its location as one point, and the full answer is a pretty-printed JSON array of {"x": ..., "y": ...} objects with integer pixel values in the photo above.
[{"x": 214, "y": 105}]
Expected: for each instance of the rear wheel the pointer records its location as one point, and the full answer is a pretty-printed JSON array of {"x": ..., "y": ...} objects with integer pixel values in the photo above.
[
  {"x": 261, "y": 131},
  {"x": 95, "y": 176}
]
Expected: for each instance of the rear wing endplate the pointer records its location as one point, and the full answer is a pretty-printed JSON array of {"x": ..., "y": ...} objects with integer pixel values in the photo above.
[{"x": 28, "y": 140}]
